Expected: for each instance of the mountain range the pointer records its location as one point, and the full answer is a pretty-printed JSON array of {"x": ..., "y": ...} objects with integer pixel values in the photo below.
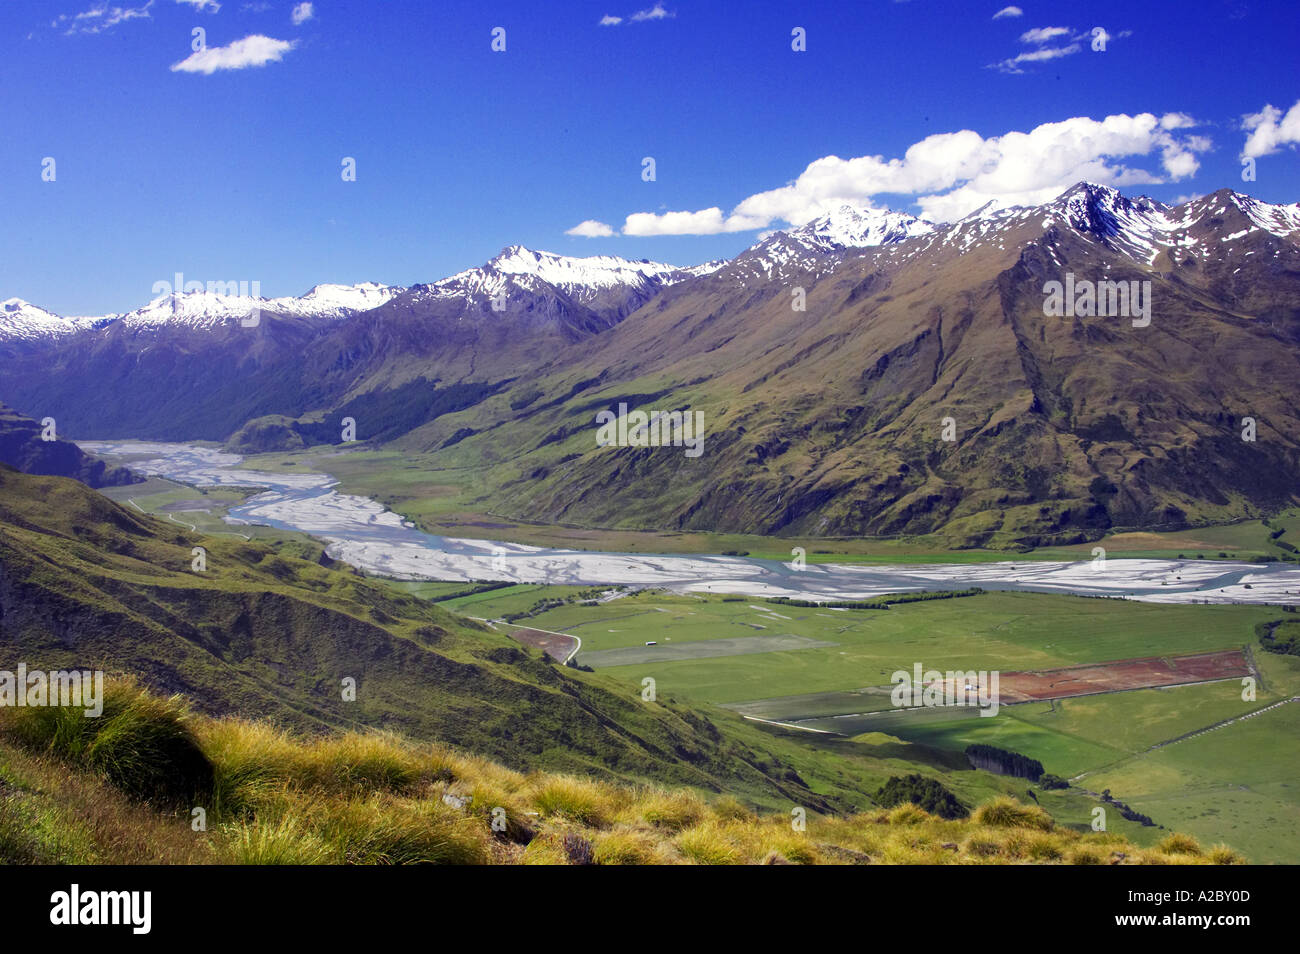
[{"x": 868, "y": 373}]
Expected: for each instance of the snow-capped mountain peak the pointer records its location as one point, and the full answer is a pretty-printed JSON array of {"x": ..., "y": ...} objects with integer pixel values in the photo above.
[
  {"x": 850, "y": 227},
  {"x": 1280, "y": 220},
  {"x": 1142, "y": 228},
  {"x": 580, "y": 278},
  {"x": 22, "y": 320},
  {"x": 198, "y": 309},
  {"x": 206, "y": 309},
  {"x": 359, "y": 297},
  {"x": 815, "y": 245}
]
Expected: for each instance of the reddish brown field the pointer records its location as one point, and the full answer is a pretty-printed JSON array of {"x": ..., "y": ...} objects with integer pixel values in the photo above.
[
  {"x": 555, "y": 645},
  {"x": 1123, "y": 674}
]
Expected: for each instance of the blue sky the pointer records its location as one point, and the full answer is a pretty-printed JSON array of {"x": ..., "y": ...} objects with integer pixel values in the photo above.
[{"x": 166, "y": 163}]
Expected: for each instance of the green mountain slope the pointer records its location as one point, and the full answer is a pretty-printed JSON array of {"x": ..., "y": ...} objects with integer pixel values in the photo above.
[{"x": 22, "y": 446}]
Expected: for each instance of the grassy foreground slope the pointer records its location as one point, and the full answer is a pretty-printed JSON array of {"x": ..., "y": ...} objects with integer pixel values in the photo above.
[{"x": 150, "y": 782}]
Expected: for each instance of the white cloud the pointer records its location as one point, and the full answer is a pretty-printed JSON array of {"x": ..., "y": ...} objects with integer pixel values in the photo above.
[
  {"x": 210, "y": 6},
  {"x": 657, "y": 12},
  {"x": 590, "y": 229},
  {"x": 100, "y": 17},
  {"x": 302, "y": 13},
  {"x": 1007, "y": 12},
  {"x": 1040, "y": 35},
  {"x": 704, "y": 222},
  {"x": 1270, "y": 130},
  {"x": 952, "y": 174},
  {"x": 1177, "y": 121},
  {"x": 255, "y": 50},
  {"x": 1037, "y": 56}
]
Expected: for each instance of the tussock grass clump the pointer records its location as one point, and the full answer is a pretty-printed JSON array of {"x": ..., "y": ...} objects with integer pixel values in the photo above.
[
  {"x": 730, "y": 808},
  {"x": 384, "y": 830},
  {"x": 1223, "y": 855},
  {"x": 588, "y": 803},
  {"x": 671, "y": 811},
  {"x": 1177, "y": 843},
  {"x": 252, "y": 763},
  {"x": 908, "y": 814},
  {"x": 628, "y": 847},
  {"x": 1085, "y": 855},
  {"x": 546, "y": 850},
  {"x": 362, "y": 761},
  {"x": 982, "y": 846},
  {"x": 796, "y": 849},
  {"x": 1006, "y": 812},
  {"x": 142, "y": 743},
  {"x": 1044, "y": 848},
  {"x": 254, "y": 754},
  {"x": 283, "y": 841},
  {"x": 708, "y": 845}
]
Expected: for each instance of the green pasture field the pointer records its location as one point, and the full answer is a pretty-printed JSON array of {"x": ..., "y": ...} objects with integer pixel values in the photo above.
[
  {"x": 1239, "y": 783},
  {"x": 994, "y": 630},
  {"x": 493, "y": 604},
  {"x": 699, "y": 649},
  {"x": 427, "y": 589}
]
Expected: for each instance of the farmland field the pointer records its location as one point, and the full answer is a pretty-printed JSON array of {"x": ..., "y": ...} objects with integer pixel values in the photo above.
[{"x": 995, "y": 630}]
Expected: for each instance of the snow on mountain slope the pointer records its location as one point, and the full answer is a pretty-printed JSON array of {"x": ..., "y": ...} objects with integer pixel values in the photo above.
[
  {"x": 817, "y": 245},
  {"x": 23, "y": 321},
  {"x": 582, "y": 279},
  {"x": 1280, "y": 220},
  {"x": 206, "y": 309},
  {"x": 339, "y": 300},
  {"x": 20, "y": 320},
  {"x": 1206, "y": 227},
  {"x": 198, "y": 309},
  {"x": 1140, "y": 228},
  {"x": 850, "y": 227}
]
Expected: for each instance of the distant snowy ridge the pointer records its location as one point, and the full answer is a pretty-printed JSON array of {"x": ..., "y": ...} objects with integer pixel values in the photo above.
[
  {"x": 22, "y": 320},
  {"x": 580, "y": 278}
]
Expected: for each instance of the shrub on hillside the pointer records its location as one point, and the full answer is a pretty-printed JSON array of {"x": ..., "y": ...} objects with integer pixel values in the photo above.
[{"x": 925, "y": 793}]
